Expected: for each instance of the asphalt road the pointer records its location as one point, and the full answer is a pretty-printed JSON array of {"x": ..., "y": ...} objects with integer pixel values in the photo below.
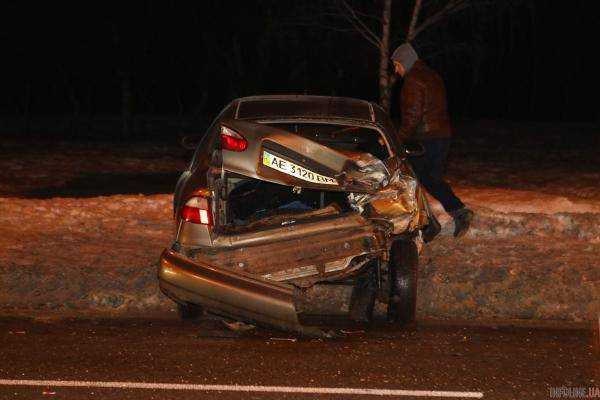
[{"x": 497, "y": 362}]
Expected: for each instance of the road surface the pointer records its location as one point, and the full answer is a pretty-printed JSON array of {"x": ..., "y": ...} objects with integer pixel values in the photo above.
[{"x": 169, "y": 359}]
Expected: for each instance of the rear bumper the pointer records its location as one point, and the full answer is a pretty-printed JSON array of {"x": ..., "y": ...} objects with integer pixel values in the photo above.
[{"x": 224, "y": 292}]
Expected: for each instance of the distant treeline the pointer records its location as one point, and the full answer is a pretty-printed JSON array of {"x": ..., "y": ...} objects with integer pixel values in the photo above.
[
  {"x": 168, "y": 128},
  {"x": 530, "y": 60}
]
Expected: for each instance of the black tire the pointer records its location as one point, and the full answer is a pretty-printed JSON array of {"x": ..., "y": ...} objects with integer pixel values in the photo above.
[
  {"x": 364, "y": 294},
  {"x": 404, "y": 268},
  {"x": 189, "y": 312}
]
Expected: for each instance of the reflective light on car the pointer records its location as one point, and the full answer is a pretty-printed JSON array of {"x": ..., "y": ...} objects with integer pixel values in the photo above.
[
  {"x": 231, "y": 140},
  {"x": 197, "y": 211}
]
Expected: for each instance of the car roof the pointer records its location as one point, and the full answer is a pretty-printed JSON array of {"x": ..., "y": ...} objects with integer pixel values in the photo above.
[{"x": 306, "y": 106}]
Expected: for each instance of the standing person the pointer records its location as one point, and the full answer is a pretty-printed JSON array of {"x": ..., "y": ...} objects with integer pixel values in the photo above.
[{"x": 425, "y": 119}]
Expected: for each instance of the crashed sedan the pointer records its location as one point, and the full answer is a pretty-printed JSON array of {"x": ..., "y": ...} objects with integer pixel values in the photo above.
[{"x": 285, "y": 194}]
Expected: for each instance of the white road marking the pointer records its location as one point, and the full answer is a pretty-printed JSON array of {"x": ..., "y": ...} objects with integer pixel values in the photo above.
[{"x": 241, "y": 388}]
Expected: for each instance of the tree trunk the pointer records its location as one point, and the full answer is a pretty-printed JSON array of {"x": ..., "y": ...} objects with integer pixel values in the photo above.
[{"x": 385, "y": 80}]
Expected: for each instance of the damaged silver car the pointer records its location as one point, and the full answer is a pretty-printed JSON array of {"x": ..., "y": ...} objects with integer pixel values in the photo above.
[{"x": 288, "y": 194}]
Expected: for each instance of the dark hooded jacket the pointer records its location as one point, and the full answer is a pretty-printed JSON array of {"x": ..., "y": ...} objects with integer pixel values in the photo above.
[{"x": 423, "y": 105}]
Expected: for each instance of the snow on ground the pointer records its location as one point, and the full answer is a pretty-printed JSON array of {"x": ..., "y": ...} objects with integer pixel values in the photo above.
[
  {"x": 77, "y": 255},
  {"x": 533, "y": 252},
  {"x": 526, "y": 201},
  {"x": 101, "y": 253},
  {"x": 105, "y": 231},
  {"x": 573, "y": 181}
]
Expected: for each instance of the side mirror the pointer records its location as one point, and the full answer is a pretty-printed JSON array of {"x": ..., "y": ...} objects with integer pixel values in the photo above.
[
  {"x": 190, "y": 142},
  {"x": 413, "y": 149}
]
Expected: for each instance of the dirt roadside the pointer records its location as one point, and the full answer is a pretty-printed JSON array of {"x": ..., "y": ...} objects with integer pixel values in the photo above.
[{"x": 532, "y": 254}]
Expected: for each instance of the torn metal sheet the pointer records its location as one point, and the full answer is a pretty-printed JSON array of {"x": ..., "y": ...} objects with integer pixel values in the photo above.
[
  {"x": 396, "y": 203},
  {"x": 319, "y": 249},
  {"x": 367, "y": 171}
]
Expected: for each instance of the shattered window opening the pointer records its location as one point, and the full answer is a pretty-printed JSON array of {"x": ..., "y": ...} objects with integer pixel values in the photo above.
[{"x": 341, "y": 137}]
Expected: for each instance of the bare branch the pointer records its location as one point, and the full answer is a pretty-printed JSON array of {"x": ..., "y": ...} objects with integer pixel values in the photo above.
[
  {"x": 413, "y": 20},
  {"x": 451, "y": 7},
  {"x": 368, "y": 16},
  {"x": 314, "y": 23},
  {"x": 350, "y": 14},
  {"x": 385, "y": 78},
  {"x": 364, "y": 34}
]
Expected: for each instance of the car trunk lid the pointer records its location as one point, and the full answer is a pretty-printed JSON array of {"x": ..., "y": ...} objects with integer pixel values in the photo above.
[{"x": 282, "y": 157}]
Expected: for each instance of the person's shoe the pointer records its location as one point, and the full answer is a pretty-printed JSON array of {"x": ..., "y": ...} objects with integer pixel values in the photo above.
[{"x": 462, "y": 221}]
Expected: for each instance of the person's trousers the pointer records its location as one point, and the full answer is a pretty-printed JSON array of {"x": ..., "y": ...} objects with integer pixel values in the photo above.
[{"x": 429, "y": 169}]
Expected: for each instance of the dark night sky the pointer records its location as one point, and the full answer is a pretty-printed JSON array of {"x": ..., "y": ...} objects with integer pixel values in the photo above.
[{"x": 533, "y": 61}]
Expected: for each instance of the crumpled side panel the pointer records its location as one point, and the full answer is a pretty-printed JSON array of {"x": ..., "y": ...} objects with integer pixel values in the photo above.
[
  {"x": 366, "y": 171},
  {"x": 397, "y": 203}
]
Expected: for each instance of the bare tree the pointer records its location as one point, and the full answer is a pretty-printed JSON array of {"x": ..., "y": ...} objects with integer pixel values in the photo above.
[
  {"x": 356, "y": 19},
  {"x": 367, "y": 25}
]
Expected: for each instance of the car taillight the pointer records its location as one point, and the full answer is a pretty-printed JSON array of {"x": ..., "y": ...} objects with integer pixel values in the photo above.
[
  {"x": 231, "y": 140},
  {"x": 197, "y": 211}
]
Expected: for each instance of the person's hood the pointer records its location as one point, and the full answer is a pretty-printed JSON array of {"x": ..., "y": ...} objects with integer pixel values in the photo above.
[{"x": 406, "y": 55}]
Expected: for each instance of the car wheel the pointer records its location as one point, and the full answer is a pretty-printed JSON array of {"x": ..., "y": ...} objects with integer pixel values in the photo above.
[
  {"x": 189, "y": 312},
  {"x": 364, "y": 294},
  {"x": 403, "y": 269}
]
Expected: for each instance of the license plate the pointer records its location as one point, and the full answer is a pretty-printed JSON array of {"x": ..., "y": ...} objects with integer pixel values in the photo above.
[{"x": 289, "y": 168}]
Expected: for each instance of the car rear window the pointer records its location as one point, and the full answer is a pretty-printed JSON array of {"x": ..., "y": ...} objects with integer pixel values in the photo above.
[
  {"x": 330, "y": 107},
  {"x": 340, "y": 137}
]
